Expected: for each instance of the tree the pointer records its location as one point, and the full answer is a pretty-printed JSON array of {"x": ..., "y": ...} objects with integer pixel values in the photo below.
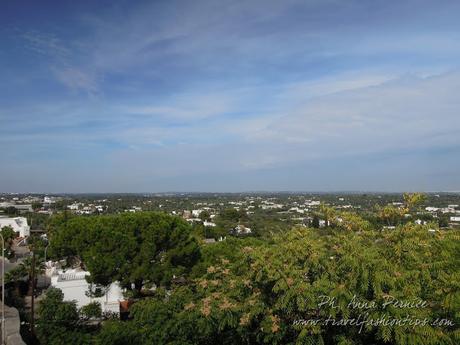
[
  {"x": 205, "y": 215},
  {"x": 58, "y": 321},
  {"x": 315, "y": 221},
  {"x": 37, "y": 205},
  {"x": 329, "y": 214},
  {"x": 352, "y": 222},
  {"x": 443, "y": 220},
  {"x": 91, "y": 311},
  {"x": 257, "y": 295},
  {"x": 413, "y": 200},
  {"x": 8, "y": 236},
  {"x": 134, "y": 249},
  {"x": 119, "y": 333},
  {"x": 390, "y": 215}
]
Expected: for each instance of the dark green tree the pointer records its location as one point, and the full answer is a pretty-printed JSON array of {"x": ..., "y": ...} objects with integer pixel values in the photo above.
[
  {"x": 132, "y": 248},
  {"x": 205, "y": 215},
  {"x": 91, "y": 311},
  {"x": 8, "y": 236},
  {"x": 58, "y": 321}
]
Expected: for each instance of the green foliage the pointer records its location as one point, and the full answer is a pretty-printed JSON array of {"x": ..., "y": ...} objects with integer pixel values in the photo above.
[
  {"x": 119, "y": 333},
  {"x": 8, "y": 236},
  {"x": 390, "y": 215},
  {"x": 413, "y": 200},
  {"x": 205, "y": 215},
  {"x": 315, "y": 221},
  {"x": 136, "y": 249},
  {"x": 38, "y": 220},
  {"x": 229, "y": 218},
  {"x": 352, "y": 222},
  {"x": 253, "y": 292},
  {"x": 16, "y": 274},
  {"x": 202, "y": 231},
  {"x": 329, "y": 214},
  {"x": 91, "y": 310},
  {"x": 57, "y": 321}
]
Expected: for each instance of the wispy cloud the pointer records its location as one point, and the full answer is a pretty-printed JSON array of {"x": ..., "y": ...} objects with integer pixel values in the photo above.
[
  {"x": 76, "y": 79},
  {"x": 258, "y": 89},
  {"x": 46, "y": 44},
  {"x": 404, "y": 112},
  {"x": 186, "y": 107},
  {"x": 61, "y": 61}
]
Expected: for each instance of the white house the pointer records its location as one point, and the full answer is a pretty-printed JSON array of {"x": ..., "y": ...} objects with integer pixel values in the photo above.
[
  {"x": 73, "y": 284},
  {"x": 19, "y": 225},
  {"x": 49, "y": 200},
  {"x": 74, "y": 207},
  {"x": 196, "y": 213},
  {"x": 312, "y": 203},
  {"x": 455, "y": 219},
  {"x": 271, "y": 206}
]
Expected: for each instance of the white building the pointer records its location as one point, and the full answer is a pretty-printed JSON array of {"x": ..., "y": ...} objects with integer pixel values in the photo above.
[
  {"x": 455, "y": 219},
  {"x": 312, "y": 203},
  {"x": 19, "y": 207},
  {"x": 296, "y": 209},
  {"x": 271, "y": 206},
  {"x": 242, "y": 230},
  {"x": 196, "y": 213},
  {"x": 19, "y": 225},
  {"x": 49, "y": 200},
  {"x": 73, "y": 284},
  {"x": 74, "y": 207}
]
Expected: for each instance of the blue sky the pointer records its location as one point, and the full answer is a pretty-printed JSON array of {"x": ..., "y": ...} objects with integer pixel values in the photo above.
[{"x": 152, "y": 96}]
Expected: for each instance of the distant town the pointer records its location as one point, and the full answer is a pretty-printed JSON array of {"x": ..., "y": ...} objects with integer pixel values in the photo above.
[{"x": 30, "y": 211}]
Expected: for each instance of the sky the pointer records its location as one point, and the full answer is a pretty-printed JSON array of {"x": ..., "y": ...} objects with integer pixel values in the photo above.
[{"x": 229, "y": 96}]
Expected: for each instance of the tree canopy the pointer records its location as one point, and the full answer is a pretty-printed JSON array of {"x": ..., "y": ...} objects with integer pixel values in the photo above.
[
  {"x": 265, "y": 293},
  {"x": 133, "y": 249}
]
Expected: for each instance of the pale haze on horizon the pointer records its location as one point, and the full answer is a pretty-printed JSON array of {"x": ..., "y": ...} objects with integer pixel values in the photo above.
[{"x": 227, "y": 96}]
